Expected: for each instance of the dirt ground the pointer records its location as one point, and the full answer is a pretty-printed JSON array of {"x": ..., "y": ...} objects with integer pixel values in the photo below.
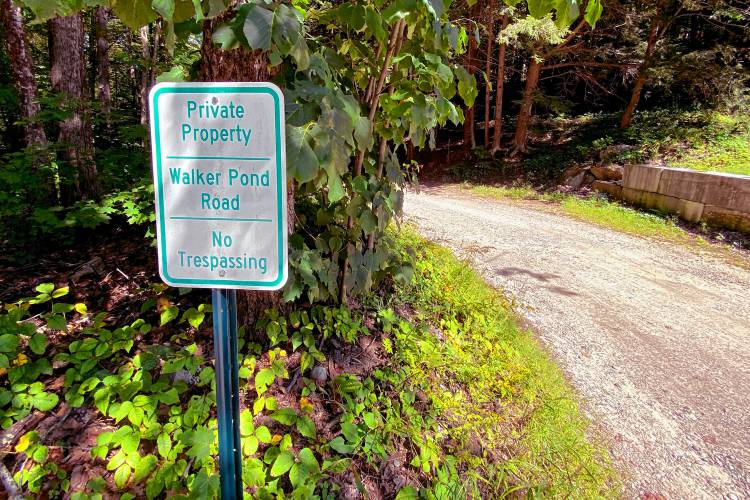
[{"x": 655, "y": 337}]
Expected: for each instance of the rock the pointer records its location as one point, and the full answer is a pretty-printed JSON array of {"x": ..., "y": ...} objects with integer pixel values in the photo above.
[
  {"x": 319, "y": 374},
  {"x": 613, "y": 189},
  {"x": 577, "y": 180},
  {"x": 608, "y": 172}
]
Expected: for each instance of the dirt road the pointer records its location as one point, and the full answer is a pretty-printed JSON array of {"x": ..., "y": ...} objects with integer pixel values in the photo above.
[{"x": 654, "y": 337}]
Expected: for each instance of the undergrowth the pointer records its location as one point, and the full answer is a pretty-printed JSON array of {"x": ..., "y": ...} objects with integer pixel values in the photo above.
[{"x": 432, "y": 392}]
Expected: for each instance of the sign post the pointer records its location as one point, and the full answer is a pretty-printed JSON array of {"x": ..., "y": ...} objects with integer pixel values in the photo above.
[{"x": 219, "y": 165}]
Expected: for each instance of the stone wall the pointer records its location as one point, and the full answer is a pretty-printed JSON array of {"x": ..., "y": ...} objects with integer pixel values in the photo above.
[{"x": 717, "y": 198}]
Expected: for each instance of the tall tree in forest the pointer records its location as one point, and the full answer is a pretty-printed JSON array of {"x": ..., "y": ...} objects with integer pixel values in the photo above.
[
  {"x": 76, "y": 144},
  {"x": 150, "y": 36},
  {"x": 22, "y": 68},
  {"x": 539, "y": 32},
  {"x": 664, "y": 13},
  {"x": 488, "y": 71},
  {"x": 499, "y": 88},
  {"x": 471, "y": 64},
  {"x": 100, "y": 20}
]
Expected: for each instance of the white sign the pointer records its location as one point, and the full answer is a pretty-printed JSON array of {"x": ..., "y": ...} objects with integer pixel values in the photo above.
[{"x": 220, "y": 179}]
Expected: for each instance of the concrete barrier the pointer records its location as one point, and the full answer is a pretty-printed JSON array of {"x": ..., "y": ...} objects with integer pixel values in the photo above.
[{"x": 717, "y": 198}]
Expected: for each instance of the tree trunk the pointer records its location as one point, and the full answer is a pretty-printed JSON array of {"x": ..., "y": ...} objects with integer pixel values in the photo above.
[
  {"x": 100, "y": 20},
  {"x": 653, "y": 37},
  {"x": 145, "y": 37},
  {"x": 488, "y": 87},
  {"x": 470, "y": 140},
  {"x": 22, "y": 69},
  {"x": 241, "y": 65},
  {"x": 499, "y": 86},
  {"x": 79, "y": 176},
  {"x": 524, "y": 115}
]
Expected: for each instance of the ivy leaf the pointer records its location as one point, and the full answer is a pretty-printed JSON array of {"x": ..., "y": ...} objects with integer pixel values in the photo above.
[
  {"x": 286, "y": 416},
  {"x": 282, "y": 464},
  {"x": 44, "y": 401},
  {"x": 8, "y": 343},
  {"x": 247, "y": 427},
  {"x": 200, "y": 441},
  {"x": 164, "y": 444},
  {"x": 122, "y": 474},
  {"x": 306, "y": 427},
  {"x": 169, "y": 314},
  {"x": 38, "y": 343},
  {"x": 145, "y": 466},
  {"x": 263, "y": 379},
  {"x": 56, "y": 322},
  {"x": 308, "y": 460},
  {"x": 263, "y": 434}
]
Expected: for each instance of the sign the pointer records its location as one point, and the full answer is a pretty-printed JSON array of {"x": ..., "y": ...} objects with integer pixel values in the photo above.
[{"x": 220, "y": 180}]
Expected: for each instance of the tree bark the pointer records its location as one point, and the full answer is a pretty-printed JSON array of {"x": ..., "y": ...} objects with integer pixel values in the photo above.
[
  {"x": 100, "y": 19},
  {"x": 524, "y": 115},
  {"x": 145, "y": 37},
  {"x": 470, "y": 140},
  {"x": 499, "y": 86},
  {"x": 488, "y": 70},
  {"x": 68, "y": 75},
  {"x": 648, "y": 58},
  {"x": 22, "y": 69},
  {"x": 241, "y": 65}
]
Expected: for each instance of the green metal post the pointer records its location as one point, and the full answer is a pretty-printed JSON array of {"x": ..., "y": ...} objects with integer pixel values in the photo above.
[{"x": 227, "y": 392}]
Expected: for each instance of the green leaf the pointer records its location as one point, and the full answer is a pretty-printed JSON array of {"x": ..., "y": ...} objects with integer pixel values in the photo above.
[
  {"x": 257, "y": 27},
  {"x": 175, "y": 74},
  {"x": 286, "y": 416},
  {"x": 338, "y": 444},
  {"x": 122, "y": 474},
  {"x": 263, "y": 379},
  {"x": 308, "y": 460},
  {"x": 8, "y": 343},
  {"x": 302, "y": 164},
  {"x": 134, "y": 13},
  {"x": 594, "y": 10},
  {"x": 169, "y": 314},
  {"x": 169, "y": 397},
  {"x": 164, "y": 444},
  {"x": 56, "y": 322},
  {"x": 38, "y": 343},
  {"x": 60, "y": 292},
  {"x": 247, "y": 427},
  {"x": 263, "y": 434},
  {"x": 282, "y": 464},
  {"x": 44, "y": 401},
  {"x": 81, "y": 308},
  {"x": 131, "y": 440},
  {"x": 467, "y": 85},
  {"x": 407, "y": 493},
  {"x": 145, "y": 466},
  {"x": 539, "y": 8},
  {"x": 200, "y": 441},
  {"x": 44, "y": 287},
  {"x": 306, "y": 427}
]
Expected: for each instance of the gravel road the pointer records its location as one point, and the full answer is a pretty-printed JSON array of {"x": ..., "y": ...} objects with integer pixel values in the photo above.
[{"x": 655, "y": 337}]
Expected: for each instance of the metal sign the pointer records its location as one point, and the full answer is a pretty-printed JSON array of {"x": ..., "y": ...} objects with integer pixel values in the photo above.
[
  {"x": 221, "y": 217},
  {"x": 220, "y": 180}
]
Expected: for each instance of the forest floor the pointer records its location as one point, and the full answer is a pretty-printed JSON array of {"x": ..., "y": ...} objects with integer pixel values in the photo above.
[{"x": 653, "y": 335}]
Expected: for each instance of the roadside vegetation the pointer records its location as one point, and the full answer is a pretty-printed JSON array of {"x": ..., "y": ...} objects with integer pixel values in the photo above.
[{"x": 390, "y": 398}]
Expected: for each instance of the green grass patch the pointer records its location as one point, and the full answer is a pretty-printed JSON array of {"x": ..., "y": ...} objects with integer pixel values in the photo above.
[
  {"x": 513, "y": 421},
  {"x": 620, "y": 218},
  {"x": 515, "y": 193}
]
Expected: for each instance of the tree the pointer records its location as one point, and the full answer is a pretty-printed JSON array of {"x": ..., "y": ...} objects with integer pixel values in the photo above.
[
  {"x": 499, "y": 88},
  {"x": 75, "y": 139},
  {"x": 665, "y": 12},
  {"x": 99, "y": 20},
  {"x": 22, "y": 67}
]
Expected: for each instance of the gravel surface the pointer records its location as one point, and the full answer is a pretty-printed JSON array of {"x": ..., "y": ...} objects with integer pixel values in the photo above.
[{"x": 655, "y": 337}]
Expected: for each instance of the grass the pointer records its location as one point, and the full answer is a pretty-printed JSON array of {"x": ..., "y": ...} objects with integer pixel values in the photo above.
[
  {"x": 596, "y": 210},
  {"x": 621, "y": 218},
  {"x": 515, "y": 424}
]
